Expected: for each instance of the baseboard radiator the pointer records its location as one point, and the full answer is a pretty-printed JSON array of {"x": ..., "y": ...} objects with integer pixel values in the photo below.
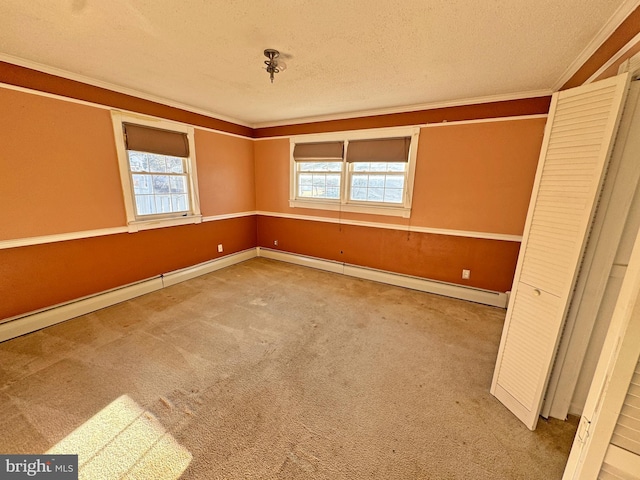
[
  {"x": 477, "y": 295},
  {"x": 32, "y": 321}
]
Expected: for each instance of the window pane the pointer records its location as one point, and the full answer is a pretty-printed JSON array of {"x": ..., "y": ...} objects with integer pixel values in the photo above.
[
  {"x": 358, "y": 193},
  {"x": 179, "y": 203},
  {"x": 320, "y": 166},
  {"x": 394, "y": 181},
  {"x": 319, "y": 185},
  {"x": 141, "y": 184},
  {"x": 393, "y": 195},
  {"x": 333, "y": 180},
  {"x": 375, "y": 194},
  {"x": 175, "y": 164},
  {"x": 359, "y": 180},
  {"x": 305, "y": 191},
  {"x": 333, "y": 192},
  {"x": 378, "y": 167},
  {"x": 160, "y": 184},
  {"x": 305, "y": 179},
  {"x": 374, "y": 187},
  {"x": 157, "y": 163},
  {"x": 145, "y": 205},
  {"x": 319, "y": 180},
  {"x": 376, "y": 181},
  {"x": 138, "y": 162},
  {"x": 396, "y": 167},
  {"x": 163, "y": 203},
  {"x": 178, "y": 184}
]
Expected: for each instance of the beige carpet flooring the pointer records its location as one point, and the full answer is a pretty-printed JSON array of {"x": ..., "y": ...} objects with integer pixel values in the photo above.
[{"x": 270, "y": 370}]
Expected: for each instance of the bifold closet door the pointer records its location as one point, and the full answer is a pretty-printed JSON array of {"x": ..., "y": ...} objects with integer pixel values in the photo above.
[
  {"x": 578, "y": 141},
  {"x": 607, "y": 445}
]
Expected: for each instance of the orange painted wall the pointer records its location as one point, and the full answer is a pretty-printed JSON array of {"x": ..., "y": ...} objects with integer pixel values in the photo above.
[
  {"x": 45, "y": 82},
  {"x": 38, "y": 276},
  {"x": 60, "y": 174},
  {"x": 225, "y": 173},
  {"x": 474, "y": 177},
  {"x": 438, "y": 257},
  {"x": 58, "y": 168},
  {"x": 477, "y": 177},
  {"x": 500, "y": 109}
]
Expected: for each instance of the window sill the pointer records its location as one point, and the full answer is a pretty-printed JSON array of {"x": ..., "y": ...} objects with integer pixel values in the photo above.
[
  {"x": 399, "y": 211},
  {"x": 138, "y": 225}
]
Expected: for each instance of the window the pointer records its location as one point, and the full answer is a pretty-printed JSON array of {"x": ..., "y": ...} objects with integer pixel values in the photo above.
[
  {"x": 157, "y": 169},
  {"x": 318, "y": 173},
  {"x": 365, "y": 172},
  {"x": 319, "y": 179},
  {"x": 379, "y": 182}
]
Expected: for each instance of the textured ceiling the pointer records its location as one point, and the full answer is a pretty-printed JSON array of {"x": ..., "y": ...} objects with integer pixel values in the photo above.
[{"x": 343, "y": 55}]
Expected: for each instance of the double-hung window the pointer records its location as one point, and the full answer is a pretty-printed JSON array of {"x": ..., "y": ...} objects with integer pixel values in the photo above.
[
  {"x": 378, "y": 170},
  {"x": 362, "y": 172},
  {"x": 157, "y": 169},
  {"x": 318, "y": 170}
]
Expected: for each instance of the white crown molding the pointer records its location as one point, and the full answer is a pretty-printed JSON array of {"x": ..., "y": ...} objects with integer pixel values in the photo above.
[
  {"x": 603, "y": 34},
  {"x": 483, "y": 120},
  {"x": 296, "y": 121},
  {"x": 407, "y": 108},
  {"x": 116, "y": 88},
  {"x": 444, "y": 123}
]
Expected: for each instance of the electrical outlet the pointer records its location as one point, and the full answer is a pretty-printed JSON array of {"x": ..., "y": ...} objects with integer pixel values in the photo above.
[
  {"x": 220, "y": 248},
  {"x": 275, "y": 242},
  {"x": 466, "y": 274}
]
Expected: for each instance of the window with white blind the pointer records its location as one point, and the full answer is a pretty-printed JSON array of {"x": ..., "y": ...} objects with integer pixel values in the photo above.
[
  {"x": 157, "y": 170},
  {"x": 362, "y": 172}
]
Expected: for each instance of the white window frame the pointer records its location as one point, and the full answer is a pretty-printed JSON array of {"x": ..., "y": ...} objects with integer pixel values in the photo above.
[
  {"x": 135, "y": 222},
  {"x": 344, "y": 204}
]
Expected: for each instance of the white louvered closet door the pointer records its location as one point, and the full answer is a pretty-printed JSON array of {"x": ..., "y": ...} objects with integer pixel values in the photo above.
[
  {"x": 624, "y": 450},
  {"x": 577, "y": 145},
  {"x": 607, "y": 445}
]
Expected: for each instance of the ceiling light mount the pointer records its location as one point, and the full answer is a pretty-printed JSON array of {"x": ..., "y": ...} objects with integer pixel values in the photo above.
[{"x": 274, "y": 64}]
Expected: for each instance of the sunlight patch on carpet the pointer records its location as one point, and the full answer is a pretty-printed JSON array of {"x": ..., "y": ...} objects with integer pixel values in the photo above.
[{"x": 124, "y": 441}]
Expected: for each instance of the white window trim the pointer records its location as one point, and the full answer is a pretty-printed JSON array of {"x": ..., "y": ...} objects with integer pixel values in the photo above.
[
  {"x": 136, "y": 224},
  {"x": 344, "y": 204}
]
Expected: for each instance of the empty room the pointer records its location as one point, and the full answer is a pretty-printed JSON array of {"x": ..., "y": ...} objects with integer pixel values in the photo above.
[{"x": 320, "y": 240}]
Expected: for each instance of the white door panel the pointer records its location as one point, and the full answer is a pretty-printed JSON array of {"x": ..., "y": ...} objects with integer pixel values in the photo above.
[{"x": 577, "y": 145}]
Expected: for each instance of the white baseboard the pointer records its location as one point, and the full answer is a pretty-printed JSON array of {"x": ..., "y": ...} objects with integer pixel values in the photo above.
[
  {"x": 313, "y": 262},
  {"x": 478, "y": 295},
  {"x": 188, "y": 273},
  {"x": 30, "y": 322}
]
